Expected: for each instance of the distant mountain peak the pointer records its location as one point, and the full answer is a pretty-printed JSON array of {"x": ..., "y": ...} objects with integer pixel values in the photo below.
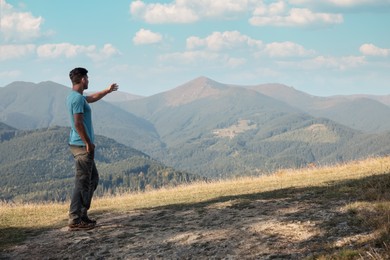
[
  {"x": 19, "y": 84},
  {"x": 195, "y": 89},
  {"x": 202, "y": 80}
]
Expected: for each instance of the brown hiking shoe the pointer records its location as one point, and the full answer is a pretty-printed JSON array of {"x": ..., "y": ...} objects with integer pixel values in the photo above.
[
  {"x": 82, "y": 225},
  {"x": 88, "y": 220}
]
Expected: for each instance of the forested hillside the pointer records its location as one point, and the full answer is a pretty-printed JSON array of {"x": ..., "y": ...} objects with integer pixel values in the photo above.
[
  {"x": 37, "y": 165},
  {"x": 219, "y": 130}
]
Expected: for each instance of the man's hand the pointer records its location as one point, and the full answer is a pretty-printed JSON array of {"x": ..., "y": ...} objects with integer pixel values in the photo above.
[
  {"x": 91, "y": 149},
  {"x": 97, "y": 96},
  {"x": 112, "y": 87}
]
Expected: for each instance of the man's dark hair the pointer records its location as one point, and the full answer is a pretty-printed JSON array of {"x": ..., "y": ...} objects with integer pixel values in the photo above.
[{"x": 77, "y": 74}]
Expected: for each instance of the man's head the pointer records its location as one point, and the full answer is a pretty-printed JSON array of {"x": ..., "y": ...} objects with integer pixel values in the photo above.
[{"x": 79, "y": 75}]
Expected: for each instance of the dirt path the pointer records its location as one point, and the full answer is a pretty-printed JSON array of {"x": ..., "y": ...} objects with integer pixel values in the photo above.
[{"x": 287, "y": 224}]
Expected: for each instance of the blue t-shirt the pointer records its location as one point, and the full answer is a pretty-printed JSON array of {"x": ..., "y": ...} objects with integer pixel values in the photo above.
[{"x": 77, "y": 104}]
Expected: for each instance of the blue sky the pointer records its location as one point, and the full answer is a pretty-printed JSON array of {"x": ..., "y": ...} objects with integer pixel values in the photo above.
[{"x": 322, "y": 47}]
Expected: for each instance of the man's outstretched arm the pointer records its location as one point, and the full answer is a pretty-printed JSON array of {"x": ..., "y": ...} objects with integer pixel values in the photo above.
[{"x": 99, "y": 95}]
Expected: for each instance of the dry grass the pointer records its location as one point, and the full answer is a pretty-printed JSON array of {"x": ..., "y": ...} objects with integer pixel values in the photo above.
[
  {"x": 201, "y": 191},
  {"x": 19, "y": 221}
]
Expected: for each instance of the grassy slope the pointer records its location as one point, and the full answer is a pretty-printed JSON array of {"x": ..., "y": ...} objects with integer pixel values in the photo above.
[{"x": 364, "y": 185}]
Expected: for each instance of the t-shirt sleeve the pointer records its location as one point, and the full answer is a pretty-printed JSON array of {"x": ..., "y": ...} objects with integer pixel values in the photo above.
[{"x": 78, "y": 105}]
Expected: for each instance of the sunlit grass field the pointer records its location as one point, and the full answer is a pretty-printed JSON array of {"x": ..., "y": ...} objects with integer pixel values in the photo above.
[{"x": 20, "y": 221}]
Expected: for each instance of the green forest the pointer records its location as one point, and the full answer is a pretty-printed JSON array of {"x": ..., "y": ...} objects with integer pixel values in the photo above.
[{"x": 37, "y": 166}]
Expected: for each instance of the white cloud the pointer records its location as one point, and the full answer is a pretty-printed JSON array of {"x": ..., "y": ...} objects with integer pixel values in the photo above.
[
  {"x": 331, "y": 63},
  {"x": 231, "y": 49},
  {"x": 372, "y": 50},
  {"x": 195, "y": 58},
  {"x": 17, "y": 26},
  {"x": 63, "y": 50},
  {"x": 217, "y": 8},
  {"x": 277, "y": 8},
  {"x": 286, "y": 49},
  {"x": 281, "y": 16},
  {"x": 215, "y": 50},
  {"x": 218, "y": 41},
  {"x": 8, "y": 52},
  {"x": 5, "y": 7},
  {"x": 279, "y": 13},
  {"x": 341, "y": 63},
  {"x": 187, "y": 11},
  {"x": 225, "y": 42},
  {"x": 67, "y": 50},
  {"x": 105, "y": 53},
  {"x": 52, "y": 51},
  {"x": 203, "y": 58},
  {"x": 146, "y": 37},
  {"x": 162, "y": 13},
  {"x": 137, "y": 7},
  {"x": 352, "y": 3},
  {"x": 342, "y": 3}
]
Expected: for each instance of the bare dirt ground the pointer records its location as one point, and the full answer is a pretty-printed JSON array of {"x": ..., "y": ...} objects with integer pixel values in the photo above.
[{"x": 285, "y": 224}]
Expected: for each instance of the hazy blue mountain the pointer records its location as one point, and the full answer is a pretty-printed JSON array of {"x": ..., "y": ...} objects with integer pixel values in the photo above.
[
  {"x": 120, "y": 96},
  {"x": 288, "y": 95},
  {"x": 384, "y": 99},
  {"x": 25, "y": 105},
  {"x": 362, "y": 112}
]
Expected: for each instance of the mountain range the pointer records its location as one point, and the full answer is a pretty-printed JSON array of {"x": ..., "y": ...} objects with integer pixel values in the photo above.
[
  {"x": 361, "y": 112},
  {"x": 220, "y": 130}
]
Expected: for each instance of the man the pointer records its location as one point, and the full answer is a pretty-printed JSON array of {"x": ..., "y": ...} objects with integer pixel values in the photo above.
[{"x": 82, "y": 147}]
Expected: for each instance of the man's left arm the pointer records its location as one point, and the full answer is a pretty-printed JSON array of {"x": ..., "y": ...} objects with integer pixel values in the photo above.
[{"x": 99, "y": 95}]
